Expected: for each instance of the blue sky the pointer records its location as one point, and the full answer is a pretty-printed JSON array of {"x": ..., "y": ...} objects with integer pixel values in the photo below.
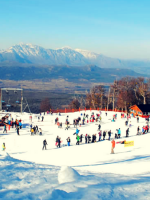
[{"x": 115, "y": 28}]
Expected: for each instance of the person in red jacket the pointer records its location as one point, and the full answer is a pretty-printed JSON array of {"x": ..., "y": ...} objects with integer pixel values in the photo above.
[{"x": 113, "y": 146}]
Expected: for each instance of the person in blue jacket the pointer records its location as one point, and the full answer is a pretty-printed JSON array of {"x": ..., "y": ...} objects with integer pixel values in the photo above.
[
  {"x": 77, "y": 131},
  {"x": 119, "y": 133},
  {"x": 68, "y": 141}
]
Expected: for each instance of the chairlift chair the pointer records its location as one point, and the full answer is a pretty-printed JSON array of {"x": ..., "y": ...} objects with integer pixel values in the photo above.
[
  {"x": 8, "y": 105},
  {"x": 17, "y": 101}
]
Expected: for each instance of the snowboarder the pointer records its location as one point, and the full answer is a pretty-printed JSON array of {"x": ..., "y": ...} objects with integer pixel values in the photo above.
[{"x": 44, "y": 144}]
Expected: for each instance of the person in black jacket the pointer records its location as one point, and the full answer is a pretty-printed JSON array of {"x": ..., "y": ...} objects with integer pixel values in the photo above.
[
  {"x": 89, "y": 138},
  {"x": 92, "y": 138},
  {"x": 99, "y": 127},
  {"x": 58, "y": 144},
  {"x": 17, "y": 130},
  {"x": 81, "y": 136},
  {"x": 109, "y": 134},
  {"x": 44, "y": 144},
  {"x": 127, "y": 132},
  {"x": 86, "y": 137},
  {"x": 104, "y": 134}
]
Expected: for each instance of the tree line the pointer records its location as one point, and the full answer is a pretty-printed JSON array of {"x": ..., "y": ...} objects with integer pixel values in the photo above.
[{"x": 121, "y": 94}]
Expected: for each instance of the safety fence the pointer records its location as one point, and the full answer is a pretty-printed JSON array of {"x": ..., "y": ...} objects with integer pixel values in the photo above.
[{"x": 67, "y": 110}]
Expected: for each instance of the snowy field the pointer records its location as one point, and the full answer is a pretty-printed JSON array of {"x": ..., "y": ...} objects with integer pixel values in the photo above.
[{"x": 87, "y": 171}]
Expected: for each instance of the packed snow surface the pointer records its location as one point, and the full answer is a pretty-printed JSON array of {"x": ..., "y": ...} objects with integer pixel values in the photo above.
[{"x": 84, "y": 171}]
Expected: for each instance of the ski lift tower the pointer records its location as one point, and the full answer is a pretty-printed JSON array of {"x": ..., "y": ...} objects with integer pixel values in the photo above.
[{"x": 15, "y": 89}]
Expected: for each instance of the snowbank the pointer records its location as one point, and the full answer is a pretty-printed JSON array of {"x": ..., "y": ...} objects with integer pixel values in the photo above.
[{"x": 67, "y": 174}]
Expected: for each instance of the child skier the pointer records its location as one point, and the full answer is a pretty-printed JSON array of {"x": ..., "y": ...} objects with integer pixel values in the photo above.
[{"x": 3, "y": 147}]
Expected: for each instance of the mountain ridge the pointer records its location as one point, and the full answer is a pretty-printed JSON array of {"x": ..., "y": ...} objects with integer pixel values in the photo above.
[{"x": 34, "y": 54}]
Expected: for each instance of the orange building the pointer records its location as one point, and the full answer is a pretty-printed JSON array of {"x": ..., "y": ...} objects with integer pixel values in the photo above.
[{"x": 142, "y": 110}]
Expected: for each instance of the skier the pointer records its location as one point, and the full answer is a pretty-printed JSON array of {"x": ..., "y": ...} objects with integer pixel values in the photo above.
[
  {"x": 109, "y": 134},
  {"x": 113, "y": 146},
  {"x": 89, "y": 138},
  {"x": 59, "y": 141},
  {"x": 138, "y": 129},
  {"x": 86, "y": 137},
  {"x": 119, "y": 132},
  {"x": 68, "y": 141},
  {"x": 104, "y": 134},
  {"x": 93, "y": 138},
  {"x": 78, "y": 138},
  {"x": 42, "y": 118},
  {"x": 56, "y": 141},
  {"x": 17, "y": 130},
  {"x": 40, "y": 130},
  {"x": 5, "y": 129},
  {"x": 81, "y": 136},
  {"x": 127, "y": 132},
  {"x": 3, "y": 147},
  {"x": 77, "y": 131},
  {"x": 44, "y": 144},
  {"x": 99, "y": 127},
  {"x": 100, "y": 134}
]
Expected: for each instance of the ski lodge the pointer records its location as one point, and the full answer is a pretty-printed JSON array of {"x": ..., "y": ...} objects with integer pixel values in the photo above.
[{"x": 142, "y": 110}]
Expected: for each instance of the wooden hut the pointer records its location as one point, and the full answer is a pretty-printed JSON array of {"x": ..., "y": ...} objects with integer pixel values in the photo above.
[{"x": 142, "y": 110}]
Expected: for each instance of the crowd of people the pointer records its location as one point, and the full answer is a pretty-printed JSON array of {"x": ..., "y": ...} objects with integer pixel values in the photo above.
[
  {"x": 81, "y": 120},
  {"x": 101, "y": 134}
]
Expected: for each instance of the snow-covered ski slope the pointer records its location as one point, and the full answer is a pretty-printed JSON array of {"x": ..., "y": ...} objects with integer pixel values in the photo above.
[{"x": 87, "y": 171}]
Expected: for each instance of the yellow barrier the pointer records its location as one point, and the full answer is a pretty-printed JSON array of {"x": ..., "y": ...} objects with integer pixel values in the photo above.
[{"x": 129, "y": 144}]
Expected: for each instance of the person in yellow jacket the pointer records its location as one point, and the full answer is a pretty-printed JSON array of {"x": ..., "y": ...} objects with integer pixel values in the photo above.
[
  {"x": 3, "y": 147},
  {"x": 32, "y": 131}
]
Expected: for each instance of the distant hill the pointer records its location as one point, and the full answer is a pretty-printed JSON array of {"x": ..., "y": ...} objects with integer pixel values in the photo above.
[{"x": 89, "y": 73}]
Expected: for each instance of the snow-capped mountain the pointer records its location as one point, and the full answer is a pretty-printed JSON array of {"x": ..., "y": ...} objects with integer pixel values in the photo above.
[{"x": 28, "y": 53}]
